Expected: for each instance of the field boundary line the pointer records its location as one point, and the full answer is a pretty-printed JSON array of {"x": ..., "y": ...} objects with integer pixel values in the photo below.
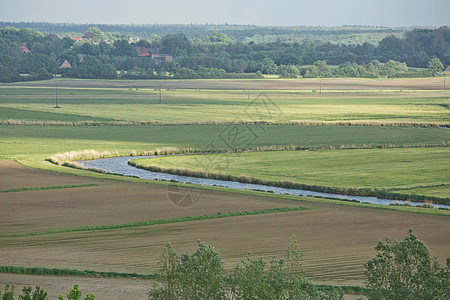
[
  {"x": 53, "y": 187},
  {"x": 165, "y": 221}
]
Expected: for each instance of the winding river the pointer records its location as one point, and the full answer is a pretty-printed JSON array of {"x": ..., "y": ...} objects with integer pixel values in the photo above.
[{"x": 119, "y": 165}]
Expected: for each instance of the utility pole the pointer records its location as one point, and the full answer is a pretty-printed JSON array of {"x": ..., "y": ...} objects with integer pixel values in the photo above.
[
  {"x": 444, "y": 80},
  {"x": 321, "y": 86},
  {"x": 160, "y": 95},
  {"x": 248, "y": 93},
  {"x": 56, "y": 98}
]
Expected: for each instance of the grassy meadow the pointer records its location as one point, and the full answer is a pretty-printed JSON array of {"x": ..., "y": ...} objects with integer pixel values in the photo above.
[
  {"x": 178, "y": 106},
  {"x": 108, "y": 223},
  {"x": 394, "y": 169}
]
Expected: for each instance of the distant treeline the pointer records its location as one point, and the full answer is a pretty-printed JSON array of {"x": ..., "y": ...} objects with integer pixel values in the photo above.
[
  {"x": 241, "y": 33},
  {"x": 26, "y": 54}
]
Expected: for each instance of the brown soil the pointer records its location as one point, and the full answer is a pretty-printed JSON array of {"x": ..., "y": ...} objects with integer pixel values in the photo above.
[
  {"x": 263, "y": 84},
  {"x": 112, "y": 202},
  {"x": 103, "y": 288},
  {"x": 14, "y": 176},
  {"x": 337, "y": 240}
]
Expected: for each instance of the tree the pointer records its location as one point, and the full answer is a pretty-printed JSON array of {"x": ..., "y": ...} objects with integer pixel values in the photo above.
[
  {"x": 196, "y": 276},
  {"x": 435, "y": 66},
  {"x": 8, "y": 294},
  {"x": 283, "y": 278},
  {"x": 405, "y": 270},
  {"x": 268, "y": 66}
]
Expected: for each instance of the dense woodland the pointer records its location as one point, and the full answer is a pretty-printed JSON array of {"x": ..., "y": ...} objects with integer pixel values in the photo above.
[{"x": 216, "y": 54}]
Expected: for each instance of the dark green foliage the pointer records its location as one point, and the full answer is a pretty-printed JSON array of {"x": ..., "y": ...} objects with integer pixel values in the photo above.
[
  {"x": 65, "y": 272},
  {"x": 217, "y": 54},
  {"x": 196, "y": 276},
  {"x": 201, "y": 276},
  {"x": 405, "y": 270},
  {"x": 8, "y": 294}
]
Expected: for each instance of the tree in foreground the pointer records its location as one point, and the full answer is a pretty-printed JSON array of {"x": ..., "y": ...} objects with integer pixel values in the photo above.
[
  {"x": 196, "y": 276},
  {"x": 201, "y": 276},
  {"x": 405, "y": 270}
]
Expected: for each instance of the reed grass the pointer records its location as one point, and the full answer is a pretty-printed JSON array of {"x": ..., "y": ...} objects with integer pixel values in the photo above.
[{"x": 159, "y": 123}]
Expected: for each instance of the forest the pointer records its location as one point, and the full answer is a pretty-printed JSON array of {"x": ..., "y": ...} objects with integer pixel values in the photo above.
[{"x": 28, "y": 54}]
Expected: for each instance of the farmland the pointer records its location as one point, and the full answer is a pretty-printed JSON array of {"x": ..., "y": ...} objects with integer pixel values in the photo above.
[
  {"x": 407, "y": 154},
  {"x": 395, "y": 169}
]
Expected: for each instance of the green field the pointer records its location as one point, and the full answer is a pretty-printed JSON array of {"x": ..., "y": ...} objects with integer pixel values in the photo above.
[
  {"x": 114, "y": 104},
  {"x": 22, "y": 141},
  {"x": 356, "y": 168}
]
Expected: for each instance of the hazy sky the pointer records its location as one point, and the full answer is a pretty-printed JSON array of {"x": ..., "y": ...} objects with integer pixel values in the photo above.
[{"x": 257, "y": 12}]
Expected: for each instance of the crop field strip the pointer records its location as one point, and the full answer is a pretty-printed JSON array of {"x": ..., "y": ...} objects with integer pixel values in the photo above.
[
  {"x": 185, "y": 106},
  {"x": 325, "y": 235},
  {"x": 259, "y": 84},
  {"x": 355, "y": 168}
]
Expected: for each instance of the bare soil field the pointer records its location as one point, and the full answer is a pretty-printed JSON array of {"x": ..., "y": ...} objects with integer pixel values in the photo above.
[
  {"x": 15, "y": 176},
  {"x": 112, "y": 202},
  {"x": 260, "y": 84},
  {"x": 336, "y": 239},
  {"x": 103, "y": 288}
]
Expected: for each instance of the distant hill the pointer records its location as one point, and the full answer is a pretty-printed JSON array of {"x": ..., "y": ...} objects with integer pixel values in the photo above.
[{"x": 241, "y": 33}]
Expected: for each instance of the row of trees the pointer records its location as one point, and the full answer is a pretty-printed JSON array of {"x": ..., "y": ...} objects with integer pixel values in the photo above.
[
  {"x": 39, "y": 294},
  {"x": 401, "y": 270},
  {"x": 217, "y": 55}
]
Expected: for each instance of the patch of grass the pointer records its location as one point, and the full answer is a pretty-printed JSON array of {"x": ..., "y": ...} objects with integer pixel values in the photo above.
[
  {"x": 70, "y": 272},
  {"x": 192, "y": 105},
  {"x": 54, "y": 187},
  {"x": 168, "y": 221},
  {"x": 19, "y": 141},
  {"x": 359, "y": 172}
]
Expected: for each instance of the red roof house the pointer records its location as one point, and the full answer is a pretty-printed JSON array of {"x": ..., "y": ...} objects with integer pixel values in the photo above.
[
  {"x": 447, "y": 71},
  {"x": 64, "y": 63},
  {"x": 24, "y": 48},
  {"x": 142, "y": 51}
]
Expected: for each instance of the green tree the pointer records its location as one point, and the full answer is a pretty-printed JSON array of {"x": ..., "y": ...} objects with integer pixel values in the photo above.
[
  {"x": 196, "y": 276},
  {"x": 283, "y": 278},
  {"x": 404, "y": 270},
  {"x": 38, "y": 294},
  {"x": 268, "y": 66},
  {"x": 435, "y": 65},
  {"x": 8, "y": 294}
]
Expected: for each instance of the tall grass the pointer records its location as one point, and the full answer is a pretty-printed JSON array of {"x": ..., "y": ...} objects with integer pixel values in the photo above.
[
  {"x": 157, "y": 123},
  {"x": 67, "y": 158}
]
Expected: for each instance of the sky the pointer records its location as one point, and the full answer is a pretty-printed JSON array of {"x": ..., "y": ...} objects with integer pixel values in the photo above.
[{"x": 391, "y": 13}]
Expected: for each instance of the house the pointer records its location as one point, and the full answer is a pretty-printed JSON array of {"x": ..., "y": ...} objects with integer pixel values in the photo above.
[
  {"x": 133, "y": 40},
  {"x": 24, "y": 48},
  {"x": 64, "y": 63},
  {"x": 159, "y": 56},
  {"x": 76, "y": 39},
  {"x": 81, "y": 57},
  {"x": 142, "y": 51},
  {"x": 89, "y": 35},
  {"x": 447, "y": 71}
]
